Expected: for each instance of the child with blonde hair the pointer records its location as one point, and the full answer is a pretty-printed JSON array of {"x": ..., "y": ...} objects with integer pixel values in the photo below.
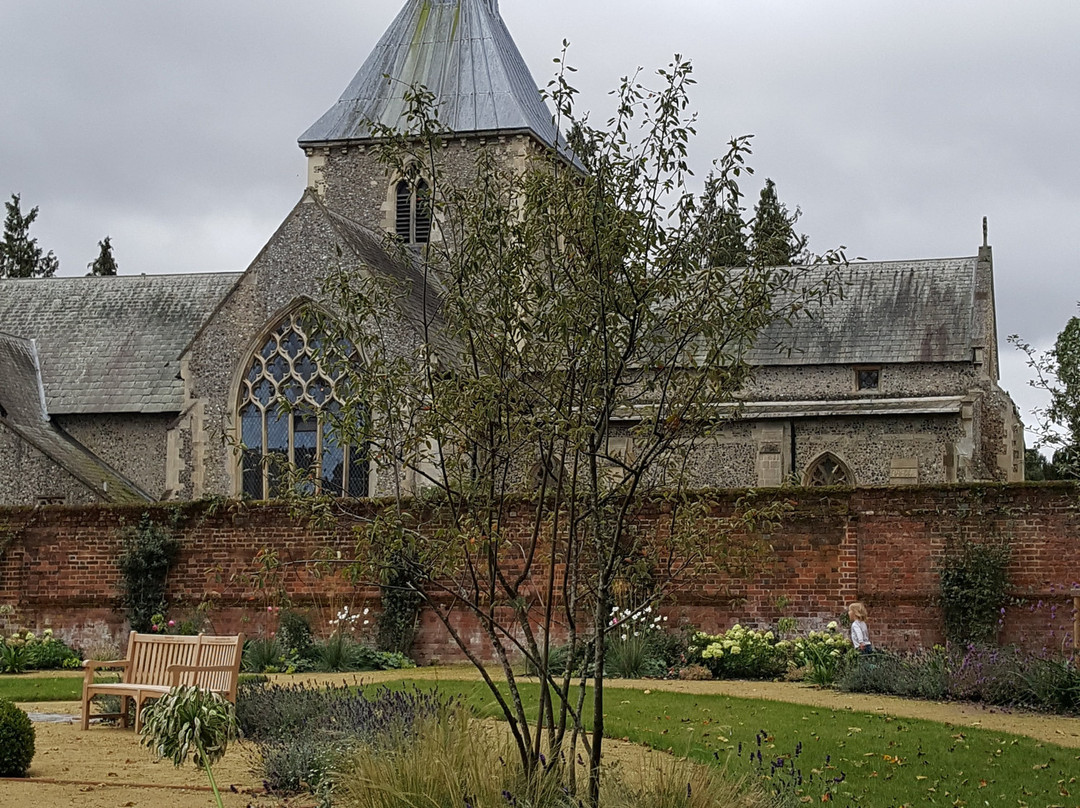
[{"x": 860, "y": 634}]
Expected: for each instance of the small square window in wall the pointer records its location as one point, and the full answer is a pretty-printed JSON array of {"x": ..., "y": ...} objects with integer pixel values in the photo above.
[
  {"x": 867, "y": 378},
  {"x": 49, "y": 499}
]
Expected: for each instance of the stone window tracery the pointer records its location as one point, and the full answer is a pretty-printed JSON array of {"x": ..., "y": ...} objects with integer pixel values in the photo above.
[
  {"x": 286, "y": 415},
  {"x": 412, "y": 220},
  {"x": 828, "y": 470}
]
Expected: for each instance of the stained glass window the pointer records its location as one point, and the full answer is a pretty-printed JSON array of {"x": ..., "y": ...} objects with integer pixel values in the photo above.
[{"x": 301, "y": 436}]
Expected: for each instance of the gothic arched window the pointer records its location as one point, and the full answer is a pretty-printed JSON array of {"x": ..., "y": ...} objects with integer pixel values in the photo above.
[
  {"x": 829, "y": 470},
  {"x": 412, "y": 222},
  {"x": 287, "y": 403}
]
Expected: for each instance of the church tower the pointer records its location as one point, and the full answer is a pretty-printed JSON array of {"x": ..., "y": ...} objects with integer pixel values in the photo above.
[{"x": 485, "y": 97}]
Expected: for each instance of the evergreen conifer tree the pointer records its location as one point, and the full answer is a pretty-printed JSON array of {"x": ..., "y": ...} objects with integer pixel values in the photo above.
[
  {"x": 20, "y": 255},
  {"x": 773, "y": 240},
  {"x": 104, "y": 264},
  {"x": 720, "y": 236}
]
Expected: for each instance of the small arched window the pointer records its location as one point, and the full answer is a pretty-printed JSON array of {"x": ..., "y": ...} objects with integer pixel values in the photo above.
[
  {"x": 287, "y": 407},
  {"x": 829, "y": 470},
  {"x": 412, "y": 222}
]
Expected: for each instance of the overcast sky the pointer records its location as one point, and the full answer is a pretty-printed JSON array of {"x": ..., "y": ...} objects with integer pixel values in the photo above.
[{"x": 895, "y": 126}]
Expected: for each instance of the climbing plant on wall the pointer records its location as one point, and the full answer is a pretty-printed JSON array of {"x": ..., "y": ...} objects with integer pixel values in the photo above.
[
  {"x": 974, "y": 590},
  {"x": 149, "y": 551}
]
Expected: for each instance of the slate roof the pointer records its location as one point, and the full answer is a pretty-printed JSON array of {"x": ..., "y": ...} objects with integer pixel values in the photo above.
[
  {"x": 462, "y": 52},
  {"x": 403, "y": 269},
  {"x": 22, "y": 409},
  {"x": 111, "y": 344},
  {"x": 891, "y": 312}
]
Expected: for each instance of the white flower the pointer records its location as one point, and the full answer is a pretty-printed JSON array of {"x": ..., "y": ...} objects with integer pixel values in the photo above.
[
  {"x": 366, "y": 622},
  {"x": 831, "y": 626},
  {"x": 637, "y": 633},
  {"x": 736, "y": 650},
  {"x": 624, "y": 636},
  {"x": 366, "y": 610}
]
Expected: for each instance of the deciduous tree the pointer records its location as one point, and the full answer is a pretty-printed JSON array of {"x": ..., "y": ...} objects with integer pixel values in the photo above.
[
  {"x": 574, "y": 352},
  {"x": 1057, "y": 425}
]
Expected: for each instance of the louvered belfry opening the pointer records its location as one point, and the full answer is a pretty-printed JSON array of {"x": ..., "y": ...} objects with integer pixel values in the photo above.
[
  {"x": 403, "y": 215},
  {"x": 412, "y": 222}
]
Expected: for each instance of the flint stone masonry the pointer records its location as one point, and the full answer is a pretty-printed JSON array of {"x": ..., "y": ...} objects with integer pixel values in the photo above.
[{"x": 58, "y": 565}]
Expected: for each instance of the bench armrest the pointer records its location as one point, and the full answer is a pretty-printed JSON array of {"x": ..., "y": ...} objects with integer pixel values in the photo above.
[
  {"x": 175, "y": 671},
  {"x": 201, "y": 668},
  {"x": 97, "y": 664}
]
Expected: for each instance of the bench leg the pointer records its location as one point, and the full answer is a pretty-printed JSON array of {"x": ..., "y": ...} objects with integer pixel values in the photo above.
[
  {"x": 124, "y": 706},
  {"x": 85, "y": 713}
]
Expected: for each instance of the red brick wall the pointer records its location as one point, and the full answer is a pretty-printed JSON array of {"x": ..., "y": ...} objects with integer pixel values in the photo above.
[{"x": 58, "y": 565}]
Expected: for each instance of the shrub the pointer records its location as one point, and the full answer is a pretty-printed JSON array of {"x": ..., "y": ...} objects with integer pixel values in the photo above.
[
  {"x": 51, "y": 654},
  {"x": 13, "y": 653},
  {"x": 998, "y": 676},
  {"x": 16, "y": 740},
  {"x": 741, "y": 653},
  {"x": 635, "y": 644},
  {"x": 262, "y": 655},
  {"x": 338, "y": 653},
  {"x": 823, "y": 653},
  {"x": 632, "y": 657},
  {"x": 301, "y": 732},
  {"x": 924, "y": 675},
  {"x": 974, "y": 587},
  {"x": 294, "y": 632},
  {"x": 25, "y": 650}
]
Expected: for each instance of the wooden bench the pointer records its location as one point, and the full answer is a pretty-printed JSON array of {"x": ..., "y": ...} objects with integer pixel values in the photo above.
[{"x": 156, "y": 663}]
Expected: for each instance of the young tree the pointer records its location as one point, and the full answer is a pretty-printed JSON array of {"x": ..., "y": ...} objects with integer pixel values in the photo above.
[
  {"x": 20, "y": 255},
  {"x": 1057, "y": 426},
  {"x": 104, "y": 264},
  {"x": 773, "y": 240},
  {"x": 574, "y": 352}
]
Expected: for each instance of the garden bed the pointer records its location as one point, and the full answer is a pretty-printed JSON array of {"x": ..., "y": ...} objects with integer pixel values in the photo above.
[{"x": 106, "y": 766}]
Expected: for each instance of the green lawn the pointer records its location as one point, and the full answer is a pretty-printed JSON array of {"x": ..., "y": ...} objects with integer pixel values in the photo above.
[
  {"x": 61, "y": 687},
  {"x": 856, "y": 759}
]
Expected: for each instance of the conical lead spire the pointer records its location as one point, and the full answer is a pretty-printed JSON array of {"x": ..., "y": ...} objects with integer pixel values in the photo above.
[{"x": 462, "y": 52}]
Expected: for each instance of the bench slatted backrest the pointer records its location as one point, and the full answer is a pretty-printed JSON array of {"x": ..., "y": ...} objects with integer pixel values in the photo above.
[
  {"x": 152, "y": 654},
  {"x": 217, "y": 652}
]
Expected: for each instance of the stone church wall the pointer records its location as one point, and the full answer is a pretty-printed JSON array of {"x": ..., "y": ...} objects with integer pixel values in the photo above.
[
  {"x": 58, "y": 565},
  {"x": 27, "y": 475},
  {"x": 838, "y": 382},
  {"x": 290, "y": 269},
  {"x": 351, "y": 181},
  {"x": 134, "y": 445}
]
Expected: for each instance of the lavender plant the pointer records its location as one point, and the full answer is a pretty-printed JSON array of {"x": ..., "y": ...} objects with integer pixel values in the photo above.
[{"x": 301, "y": 731}]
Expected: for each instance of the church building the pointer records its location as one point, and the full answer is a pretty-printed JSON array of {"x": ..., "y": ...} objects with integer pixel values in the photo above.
[{"x": 142, "y": 387}]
